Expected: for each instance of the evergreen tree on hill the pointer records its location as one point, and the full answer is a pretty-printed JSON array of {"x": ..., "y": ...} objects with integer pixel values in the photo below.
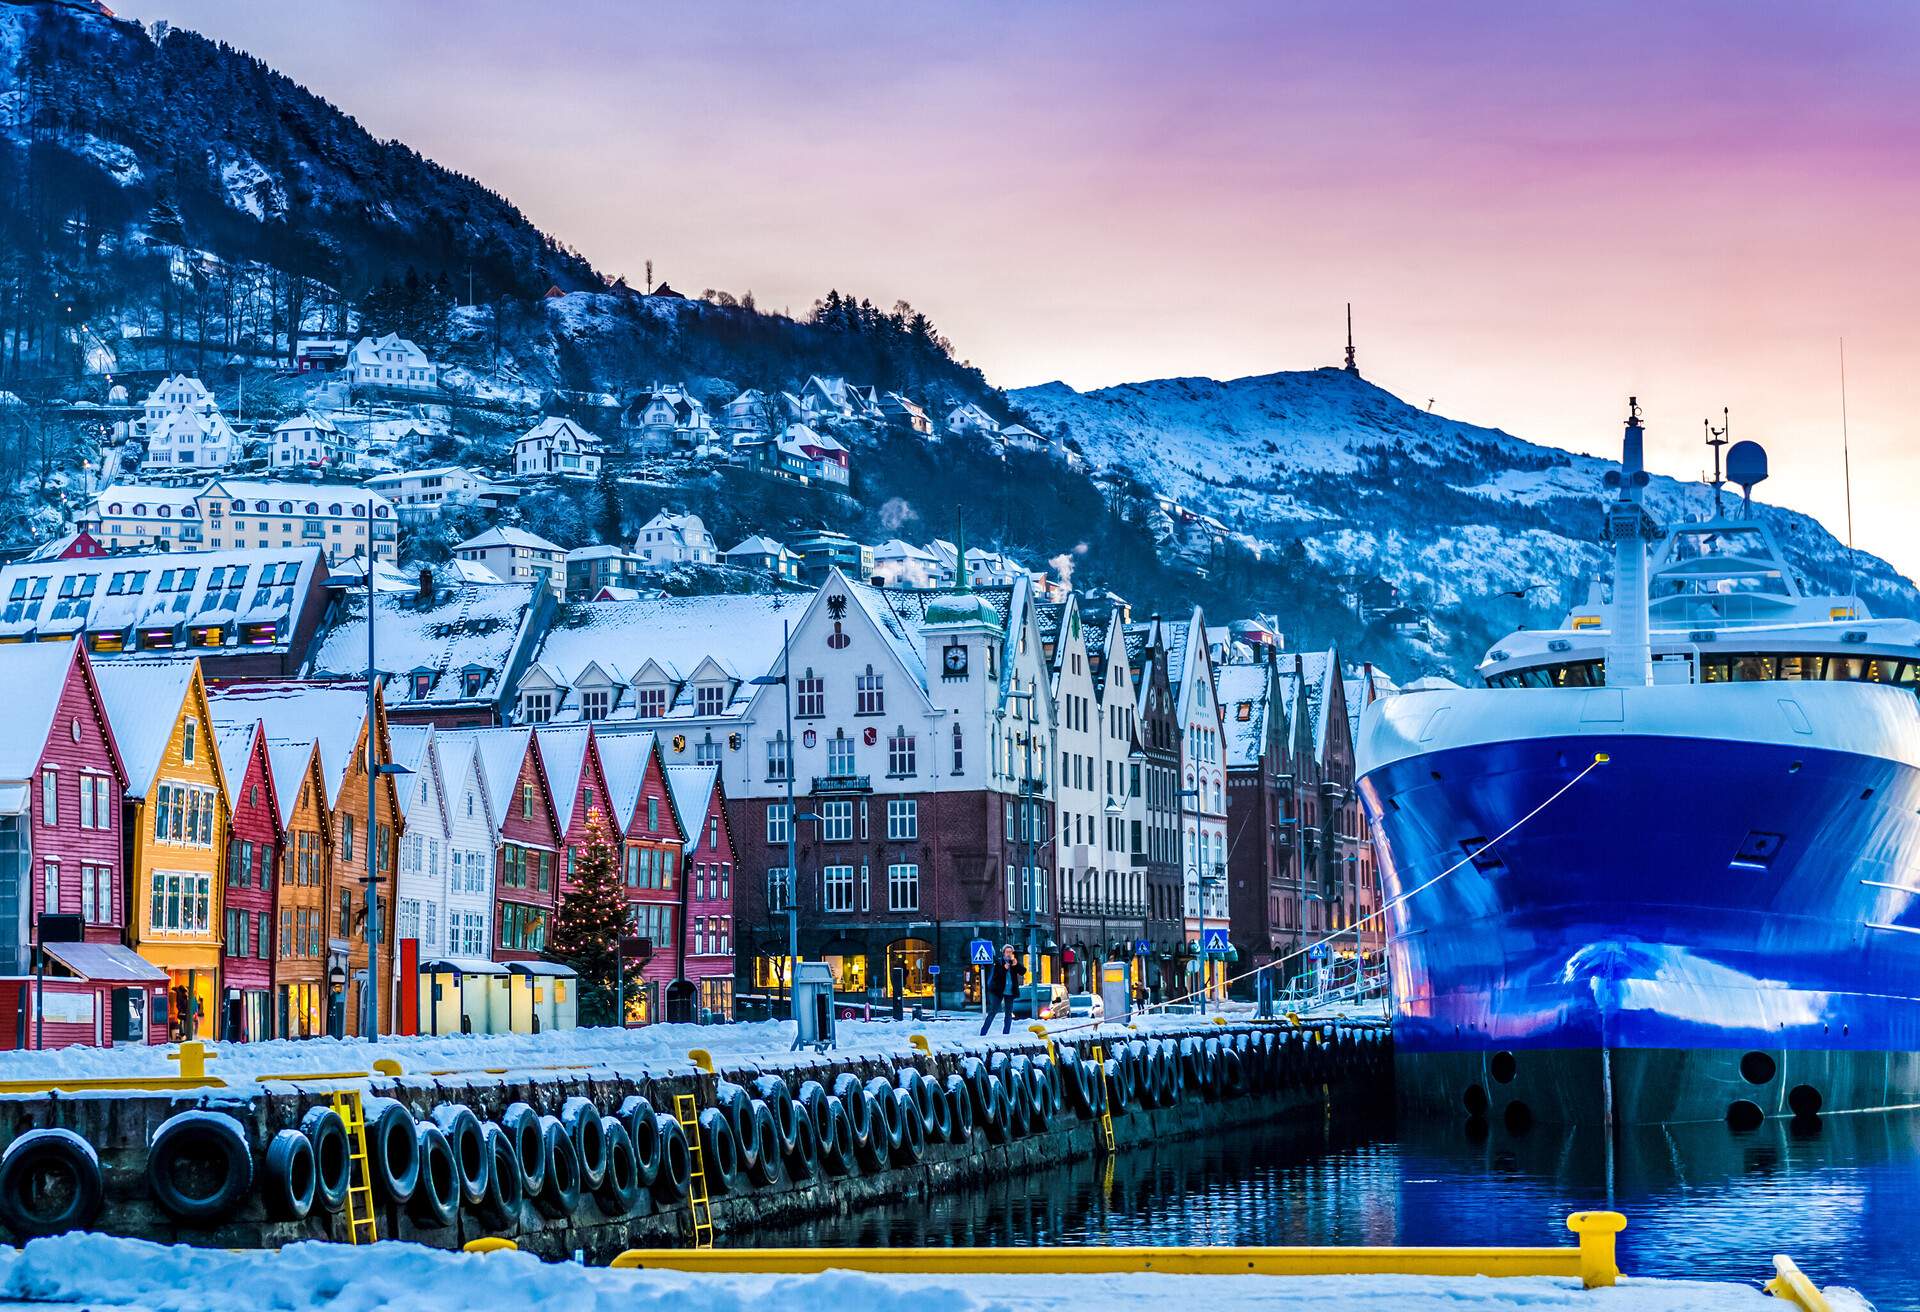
[{"x": 592, "y": 917}]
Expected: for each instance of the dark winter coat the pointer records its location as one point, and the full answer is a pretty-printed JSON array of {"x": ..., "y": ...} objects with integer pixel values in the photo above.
[{"x": 1003, "y": 981}]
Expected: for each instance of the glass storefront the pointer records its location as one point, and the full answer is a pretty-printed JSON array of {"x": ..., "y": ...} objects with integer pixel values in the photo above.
[{"x": 907, "y": 962}]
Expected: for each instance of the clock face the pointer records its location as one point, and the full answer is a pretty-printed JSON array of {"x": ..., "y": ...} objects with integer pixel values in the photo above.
[{"x": 956, "y": 660}]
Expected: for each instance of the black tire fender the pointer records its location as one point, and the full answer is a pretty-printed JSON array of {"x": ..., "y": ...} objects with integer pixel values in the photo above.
[
  {"x": 560, "y": 1195},
  {"x": 676, "y": 1163},
  {"x": 471, "y": 1158},
  {"x": 959, "y": 1110},
  {"x": 581, "y": 1120},
  {"x": 643, "y": 1136},
  {"x": 436, "y": 1198},
  {"x": 332, "y": 1157},
  {"x": 803, "y": 1159},
  {"x": 290, "y": 1178},
  {"x": 206, "y": 1137},
  {"x": 36, "y": 1154},
  {"x": 505, "y": 1190},
  {"x": 719, "y": 1152},
  {"x": 768, "y": 1151},
  {"x": 522, "y": 1126},
  {"x": 393, "y": 1149},
  {"x": 620, "y": 1192}
]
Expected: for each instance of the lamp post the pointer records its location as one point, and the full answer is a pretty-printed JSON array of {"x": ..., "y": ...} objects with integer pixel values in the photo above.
[
  {"x": 785, "y": 680},
  {"x": 1026, "y": 695}
]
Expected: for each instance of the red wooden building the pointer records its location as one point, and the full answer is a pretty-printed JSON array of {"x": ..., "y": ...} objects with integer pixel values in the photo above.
[
  {"x": 643, "y": 808},
  {"x": 62, "y": 789},
  {"x": 705, "y": 948},
  {"x": 579, "y": 783},
  {"x": 255, "y": 839},
  {"x": 526, "y": 872}
]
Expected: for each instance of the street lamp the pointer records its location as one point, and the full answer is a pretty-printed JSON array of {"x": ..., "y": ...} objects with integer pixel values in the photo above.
[
  {"x": 1027, "y": 818},
  {"x": 784, "y": 679},
  {"x": 1203, "y": 882}
]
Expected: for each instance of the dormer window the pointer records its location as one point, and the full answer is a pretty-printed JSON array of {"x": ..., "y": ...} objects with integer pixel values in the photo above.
[
  {"x": 536, "y": 707},
  {"x": 595, "y": 703},
  {"x": 710, "y": 699},
  {"x": 471, "y": 681},
  {"x": 652, "y": 703},
  {"x": 422, "y": 685}
]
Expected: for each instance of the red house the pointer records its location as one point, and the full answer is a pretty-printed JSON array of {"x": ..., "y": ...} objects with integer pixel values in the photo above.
[
  {"x": 254, "y": 841},
  {"x": 526, "y": 876},
  {"x": 62, "y": 787},
  {"x": 579, "y": 783},
  {"x": 636, "y": 776},
  {"x": 704, "y": 970}
]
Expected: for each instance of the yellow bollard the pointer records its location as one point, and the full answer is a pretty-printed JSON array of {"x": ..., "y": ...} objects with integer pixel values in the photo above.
[
  {"x": 388, "y": 1066},
  {"x": 193, "y": 1058},
  {"x": 490, "y": 1244},
  {"x": 1791, "y": 1285},
  {"x": 1219, "y": 1020},
  {"x": 1598, "y": 1269},
  {"x": 702, "y": 1058},
  {"x": 1046, "y": 1038},
  {"x": 920, "y": 1041}
]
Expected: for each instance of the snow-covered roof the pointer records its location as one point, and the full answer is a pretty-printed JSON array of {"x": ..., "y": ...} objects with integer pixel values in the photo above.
[
  {"x": 563, "y": 750},
  {"x": 556, "y": 427},
  {"x": 502, "y": 752},
  {"x": 740, "y": 633},
  {"x": 757, "y": 545},
  {"x": 288, "y": 761},
  {"x": 309, "y": 420},
  {"x": 600, "y": 551},
  {"x": 413, "y": 748},
  {"x": 1247, "y": 685},
  {"x": 327, "y": 714},
  {"x": 473, "y": 572},
  {"x": 145, "y": 495},
  {"x": 508, "y": 535},
  {"x": 236, "y": 750},
  {"x": 143, "y": 701},
  {"x": 351, "y": 498},
  {"x": 468, "y": 627},
  {"x": 623, "y": 759},
  {"x": 34, "y": 675},
  {"x": 692, "y": 789}
]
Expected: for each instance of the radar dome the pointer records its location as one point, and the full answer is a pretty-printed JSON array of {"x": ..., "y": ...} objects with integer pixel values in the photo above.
[{"x": 1746, "y": 464}]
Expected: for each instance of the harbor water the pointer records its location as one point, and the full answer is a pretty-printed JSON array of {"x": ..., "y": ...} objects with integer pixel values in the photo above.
[{"x": 1839, "y": 1196}]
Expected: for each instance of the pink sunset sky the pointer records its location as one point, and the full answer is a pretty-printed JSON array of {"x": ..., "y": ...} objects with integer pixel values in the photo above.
[{"x": 1535, "y": 209}]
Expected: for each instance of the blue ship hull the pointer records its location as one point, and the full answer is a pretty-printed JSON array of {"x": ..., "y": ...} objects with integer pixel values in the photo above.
[{"x": 1700, "y": 928}]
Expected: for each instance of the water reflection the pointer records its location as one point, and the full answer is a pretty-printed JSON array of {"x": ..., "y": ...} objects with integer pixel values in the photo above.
[{"x": 1839, "y": 1195}]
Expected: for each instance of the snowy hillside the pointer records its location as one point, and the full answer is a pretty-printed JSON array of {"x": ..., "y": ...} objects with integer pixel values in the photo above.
[{"x": 1450, "y": 513}]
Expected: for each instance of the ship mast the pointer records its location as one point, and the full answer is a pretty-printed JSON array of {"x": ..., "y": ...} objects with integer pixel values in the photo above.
[
  {"x": 1717, "y": 438},
  {"x": 1630, "y": 528}
]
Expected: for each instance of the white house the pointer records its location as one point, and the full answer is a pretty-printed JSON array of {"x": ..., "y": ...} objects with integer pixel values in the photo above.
[
  {"x": 421, "y": 882},
  {"x": 472, "y": 840},
  {"x": 128, "y": 516},
  {"x": 1022, "y": 438},
  {"x": 518, "y": 556},
  {"x": 180, "y": 392},
  {"x": 668, "y": 539},
  {"x": 904, "y": 565},
  {"x": 764, "y": 554},
  {"x": 970, "y": 418},
  {"x": 418, "y": 493},
  {"x": 830, "y": 400},
  {"x": 1203, "y": 777},
  {"x": 307, "y": 441},
  {"x": 190, "y": 440},
  {"x": 392, "y": 361},
  {"x": 556, "y": 447},
  {"x": 340, "y": 518},
  {"x": 670, "y": 413}
]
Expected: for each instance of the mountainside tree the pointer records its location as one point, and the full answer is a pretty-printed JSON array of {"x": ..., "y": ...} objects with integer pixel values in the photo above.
[{"x": 592, "y": 917}]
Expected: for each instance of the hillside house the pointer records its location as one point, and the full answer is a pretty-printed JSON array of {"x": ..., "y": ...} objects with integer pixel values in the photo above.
[
  {"x": 970, "y": 418},
  {"x": 391, "y": 362},
  {"x": 900, "y": 412},
  {"x": 518, "y": 557},
  {"x": 419, "y": 494},
  {"x": 670, "y": 539},
  {"x": 765, "y": 556},
  {"x": 669, "y": 414},
  {"x": 556, "y": 447},
  {"x": 589, "y": 569}
]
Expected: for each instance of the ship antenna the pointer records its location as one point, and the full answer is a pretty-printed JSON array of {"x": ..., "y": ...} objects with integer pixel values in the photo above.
[
  {"x": 1629, "y": 655},
  {"x": 1846, "y": 473},
  {"x": 1717, "y": 438}
]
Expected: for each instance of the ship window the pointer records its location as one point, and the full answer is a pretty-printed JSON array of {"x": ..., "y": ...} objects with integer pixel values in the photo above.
[{"x": 1757, "y": 850}]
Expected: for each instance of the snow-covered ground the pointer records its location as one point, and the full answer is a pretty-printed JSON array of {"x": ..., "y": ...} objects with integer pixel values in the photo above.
[
  {"x": 96, "y": 1271},
  {"x": 655, "y": 1049}
]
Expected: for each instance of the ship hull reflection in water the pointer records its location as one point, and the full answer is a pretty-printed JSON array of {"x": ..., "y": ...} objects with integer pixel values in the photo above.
[{"x": 1703, "y": 1201}]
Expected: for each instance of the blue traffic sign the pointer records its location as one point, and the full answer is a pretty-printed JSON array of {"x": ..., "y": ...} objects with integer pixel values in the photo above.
[
  {"x": 1317, "y": 951},
  {"x": 980, "y": 951},
  {"x": 1142, "y": 947},
  {"x": 1216, "y": 940},
  {"x": 933, "y": 969}
]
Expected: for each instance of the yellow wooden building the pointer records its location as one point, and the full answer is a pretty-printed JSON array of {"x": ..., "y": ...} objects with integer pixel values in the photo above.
[{"x": 176, "y": 829}]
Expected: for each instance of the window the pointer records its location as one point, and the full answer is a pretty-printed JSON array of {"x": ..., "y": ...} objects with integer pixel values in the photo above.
[
  {"x": 50, "y": 888},
  {"x": 840, "y": 757},
  {"x": 536, "y": 707},
  {"x": 903, "y": 819},
  {"x": 707, "y": 752},
  {"x": 526, "y": 801},
  {"x": 188, "y": 733},
  {"x": 778, "y": 825},
  {"x": 903, "y": 887},
  {"x": 96, "y": 894},
  {"x": 346, "y": 839},
  {"x": 837, "y": 888},
  {"x": 49, "y": 797},
  {"x": 836, "y": 822},
  {"x": 653, "y": 814},
  {"x": 181, "y": 902},
  {"x": 777, "y": 889},
  {"x": 902, "y": 755},
  {"x": 811, "y": 694},
  {"x": 777, "y": 758},
  {"x": 959, "y": 753},
  {"x": 869, "y": 693},
  {"x": 652, "y": 703},
  {"x": 710, "y": 699},
  {"x": 594, "y": 703}
]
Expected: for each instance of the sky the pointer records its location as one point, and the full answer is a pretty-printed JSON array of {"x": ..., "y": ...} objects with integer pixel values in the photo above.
[{"x": 1535, "y": 210}]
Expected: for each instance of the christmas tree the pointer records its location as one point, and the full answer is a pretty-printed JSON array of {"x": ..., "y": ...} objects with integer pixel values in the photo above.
[{"x": 592, "y": 918}]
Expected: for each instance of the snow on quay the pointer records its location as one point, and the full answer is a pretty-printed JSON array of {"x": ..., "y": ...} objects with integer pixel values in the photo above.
[
  {"x": 654, "y": 1050},
  {"x": 96, "y": 1271}
]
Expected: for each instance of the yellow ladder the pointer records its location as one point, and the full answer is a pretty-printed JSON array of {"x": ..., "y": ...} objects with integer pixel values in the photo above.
[
  {"x": 699, "y": 1201},
  {"x": 1099, "y": 1052},
  {"x": 360, "y": 1214}
]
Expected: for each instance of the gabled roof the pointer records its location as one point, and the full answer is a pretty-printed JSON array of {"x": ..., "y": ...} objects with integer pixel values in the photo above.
[
  {"x": 34, "y": 675},
  {"x": 502, "y": 753},
  {"x": 624, "y": 758},
  {"x": 289, "y": 762},
  {"x": 328, "y": 715},
  {"x": 1253, "y": 686},
  {"x": 691, "y": 787},
  {"x": 564, "y": 751},
  {"x": 507, "y": 535},
  {"x": 143, "y": 700},
  {"x": 465, "y": 627},
  {"x": 555, "y": 426}
]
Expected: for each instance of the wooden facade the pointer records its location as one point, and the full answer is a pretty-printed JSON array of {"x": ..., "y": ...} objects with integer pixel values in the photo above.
[{"x": 254, "y": 846}]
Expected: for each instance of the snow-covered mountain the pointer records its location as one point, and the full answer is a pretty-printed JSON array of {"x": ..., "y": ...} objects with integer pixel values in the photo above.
[{"x": 1452, "y": 514}]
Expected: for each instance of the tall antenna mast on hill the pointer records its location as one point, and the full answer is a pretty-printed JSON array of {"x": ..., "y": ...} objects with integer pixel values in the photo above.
[
  {"x": 1717, "y": 438},
  {"x": 1846, "y": 467},
  {"x": 1351, "y": 366}
]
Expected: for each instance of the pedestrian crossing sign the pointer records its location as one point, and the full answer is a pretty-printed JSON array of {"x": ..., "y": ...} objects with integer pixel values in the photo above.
[
  {"x": 1216, "y": 940},
  {"x": 980, "y": 951}
]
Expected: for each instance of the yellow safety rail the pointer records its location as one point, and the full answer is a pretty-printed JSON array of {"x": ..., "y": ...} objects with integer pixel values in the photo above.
[
  {"x": 360, "y": 1216},
  {"x": 1592, "y": 1263},
  {"x": 1791, "y": 1284},
  {"x": 192, "y": 1056},
  {"x": 1105, "y": 1123},
  {"x": 699, "y": 1200}
]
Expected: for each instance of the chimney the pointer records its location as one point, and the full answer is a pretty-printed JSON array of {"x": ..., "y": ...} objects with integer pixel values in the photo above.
[
  {"x": 1371, "y": 692},
  {"x": 426, "y": 587}
]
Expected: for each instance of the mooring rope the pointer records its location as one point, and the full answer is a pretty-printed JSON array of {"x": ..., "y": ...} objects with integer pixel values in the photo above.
[{"x": 1599, "y": 760}]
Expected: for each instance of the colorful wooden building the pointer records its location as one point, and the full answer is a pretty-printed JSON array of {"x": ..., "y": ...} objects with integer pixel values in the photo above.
[
  {"x": 526, "y": 869},
  {"x": 254, "y": 844},
  {"x": 175, "y": 830},
  {"x": 300, "y": 943},
  {"x": 703, "y": 984},
  {"x": 650, "y": 861}
]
